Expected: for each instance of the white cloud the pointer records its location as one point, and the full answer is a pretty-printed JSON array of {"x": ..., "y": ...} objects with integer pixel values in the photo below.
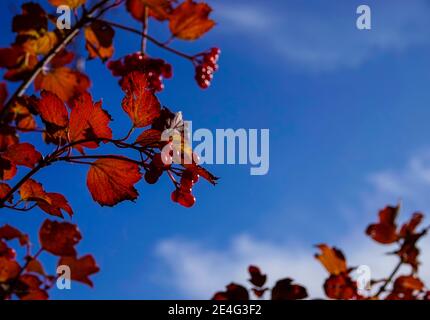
[
  {"x": 328, "y": 39},
  {"x": 197, "y": 270}
]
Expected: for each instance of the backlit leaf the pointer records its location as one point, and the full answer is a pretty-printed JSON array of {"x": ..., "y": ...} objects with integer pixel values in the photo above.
[
  {"x": 81, "y": 269},
  {"x": 332, "y": 259},
  {"x": 190, "y": 20},
  {"x": 111, "y": 181},
  {"x": 140, "y": 103},
  {"x": 59, "y": 238}
]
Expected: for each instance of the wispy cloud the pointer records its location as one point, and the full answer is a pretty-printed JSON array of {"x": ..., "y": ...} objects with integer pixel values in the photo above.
[
  {"x": 198, "y": 271},
  {"x": 327, "y": 39}
]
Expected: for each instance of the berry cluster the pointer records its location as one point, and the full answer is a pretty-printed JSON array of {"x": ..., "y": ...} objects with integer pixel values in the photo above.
[
  {"x": 159, "y": 163},
  {"x": 206, "y": 66},
  {"x": 183, "y": 193},
  {"x": 155, "y": 69}
]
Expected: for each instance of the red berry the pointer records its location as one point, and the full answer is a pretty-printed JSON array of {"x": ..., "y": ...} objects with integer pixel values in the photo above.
[{"x": 183, "y": 198}]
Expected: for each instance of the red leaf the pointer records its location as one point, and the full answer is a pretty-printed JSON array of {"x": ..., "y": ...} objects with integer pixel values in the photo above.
[
  {"x": 111, "y": 181},
  {"x": 285, "y": 290},
  {"x": 140, "y": 103},
  {"x": 234, "y": 292},
  {"x": 59, "y": 238},
  {"x": 81, "y": 269},
  {"x": 88, "y": 121},
  {"x": 23, "y": 154},
  {"x": 257, "y": 278},
  {"x": 385, "y": 230},
  {"x": 340, "y": 287},
  {"x": 8, "y": 232},
  {"x": 9, "y": 269},
  {"x": 4, "y": 190},
  {"x": 52, "y": 110}
]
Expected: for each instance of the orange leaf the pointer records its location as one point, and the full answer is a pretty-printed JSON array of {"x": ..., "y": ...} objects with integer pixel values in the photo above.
[
  {"x": 42, "y": 45},
  {"x": 332, "y": 259},
  {"x": 81, "y": 269},
  {"x": 9, "y": 269},
  {"x": 70, "y": 3},
  {"x": 99, "y": 36},
  {"x": 88, "y": 121},
  {"x": 141, "y": 104},
  {"x": 190, "y": 20},
  {"x": 7, "y": 169},
  {"x": 4, "y": 190},
  {"x": 63, "y": 81},
  {"x": 111, "y": 181},
  {"x": 23, "y": 154},
  {"x": 59, "y": 238},
  {"x": 385, "y": 231},
  {"x": 159, "y": 9},
  {"x": 52, "y": 109},
  {"x": 50, "y": 202}
]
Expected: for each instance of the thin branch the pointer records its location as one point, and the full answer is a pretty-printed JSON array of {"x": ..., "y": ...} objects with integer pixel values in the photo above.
[
  {"x": 144, "y": 30},
  {"x": 389, "y": 279},
  {"x": 153, "y": 40}
]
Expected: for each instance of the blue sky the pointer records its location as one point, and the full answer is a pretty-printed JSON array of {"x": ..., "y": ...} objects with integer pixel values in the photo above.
[{"x": 348, "y": 116}]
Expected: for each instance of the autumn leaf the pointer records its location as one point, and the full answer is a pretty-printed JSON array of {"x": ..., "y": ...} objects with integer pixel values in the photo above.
[
  {"x": 18, "y": 62},
  {"x": 63, "y": 81},
  {"x": 70, "y": 3},
  {"x": 9, "y": 269},
  {"x": 234, "y": 292},
  {"x": 8, "y": 137},
  {"x": 341, "y": 287},
  {"x": 52, "y": 110},
  {"x": 50, "y": 202},
  {"x": 140, "y": 103},
  {"x": 190, "y": 20},
  {"x": 385, "y": 230},
  {"x": 30, "y": 288},
  {"x": 7, "y": 169},
  {"x": 159, "y": 9},
  {"x": 23, "y": 154},
  {"x": 99, "y": 36},
  {"x": 150, "y": 137},
  {"x": 257, "y": 278},
  {"x": 285, "y": 290},
  {"x": 88, "y": 121},
  {"x": 59, "y": 238},
  {"x": 111, "y": 181},
  {"x": 81, "y": 269},
  {"x": 4, "y": 190},
  {"x": 41, "y": 45},
  {"x": 32, "y": 21},
  {"x": 8, "y": 232},
  {"x": 332, "y": 259}
]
